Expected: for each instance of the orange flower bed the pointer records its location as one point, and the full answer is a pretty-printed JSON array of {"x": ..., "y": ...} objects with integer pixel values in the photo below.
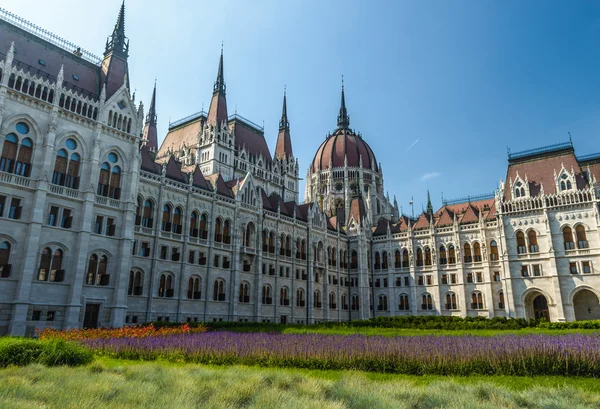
[{"x": 124, "y": 332}]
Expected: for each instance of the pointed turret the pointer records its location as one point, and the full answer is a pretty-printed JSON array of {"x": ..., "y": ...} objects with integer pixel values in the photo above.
[
  {"x": 217, "y": 113},
  {"x": 114, "y": 66},
  {"x": 429, "y": 206},
  {"x": 150, "y": 133},
  {"x": 283, "y": 149},
  {"x": 343, "y": 118}
]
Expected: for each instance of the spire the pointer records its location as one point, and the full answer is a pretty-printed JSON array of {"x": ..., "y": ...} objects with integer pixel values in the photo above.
[
  {"x": 150, "y": 133},
  {"x": 343, "y": 118},
  {"x": 217, "y": 112},
  {"x": 117, "y": 42},
  {"x": 283, "y": 149},
  {"x": 429, "y": 206}
]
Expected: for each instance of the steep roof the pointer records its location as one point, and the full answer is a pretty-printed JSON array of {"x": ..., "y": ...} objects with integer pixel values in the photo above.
[
  {"x": 283, "y": 149},
  {"x": 218, "y": 184},
  {"x": 174, "y": 172},
  {"x": 198, "y": 179},
  {"x": 184, "y": 134},
  {"x": 358, "y": 210},
  {"x": 148, "y": 163},
  {"x": 249, "y": 137}
]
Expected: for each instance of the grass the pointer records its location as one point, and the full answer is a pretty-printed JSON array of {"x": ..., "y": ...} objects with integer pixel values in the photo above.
[{"x": 125, "y": 384}]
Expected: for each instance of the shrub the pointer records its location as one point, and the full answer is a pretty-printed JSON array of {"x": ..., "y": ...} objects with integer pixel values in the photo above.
[
  {"x": 140, "y": 331},
  {"x": 22, "y": 351}
]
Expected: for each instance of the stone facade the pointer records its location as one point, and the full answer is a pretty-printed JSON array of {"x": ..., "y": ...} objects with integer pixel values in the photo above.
[{"x": 101, "y": 227}]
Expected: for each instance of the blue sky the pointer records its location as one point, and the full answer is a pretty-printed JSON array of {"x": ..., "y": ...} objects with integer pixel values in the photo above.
[{"x": 466, "y": 79}]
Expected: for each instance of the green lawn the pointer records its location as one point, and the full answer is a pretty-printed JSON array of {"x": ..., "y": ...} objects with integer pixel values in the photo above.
[{"x": 125, "y": 384}]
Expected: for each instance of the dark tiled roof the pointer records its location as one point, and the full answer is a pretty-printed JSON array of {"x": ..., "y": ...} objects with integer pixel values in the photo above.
[
  {"x": 344, "y": 143},
  {"x": 218, "y": 184},
  {"x": 198, "y": 179},
  {"x": 250, "y": 138},
  {"x": 174, "y": 172},
  {"x": 148, "y": 163}
]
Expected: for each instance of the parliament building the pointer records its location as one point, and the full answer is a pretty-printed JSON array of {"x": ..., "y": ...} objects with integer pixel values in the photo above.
[{"x": 100, "y": 226}]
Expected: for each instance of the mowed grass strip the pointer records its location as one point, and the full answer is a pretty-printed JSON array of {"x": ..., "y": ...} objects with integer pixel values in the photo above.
[{"x": 124, "y": 384}]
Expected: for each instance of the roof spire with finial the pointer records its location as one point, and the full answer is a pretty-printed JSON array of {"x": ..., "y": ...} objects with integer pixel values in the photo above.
[
  {"x": 283, "y": 149},
  {"x": 343, "y": 118},
  {"x": 117, "y": 42},
  {"x": 217, "y": 112},
  {"x": 429, "y": 206},
  {"x": 150, "y": 132},
  {"x": 220, "y": 82}
]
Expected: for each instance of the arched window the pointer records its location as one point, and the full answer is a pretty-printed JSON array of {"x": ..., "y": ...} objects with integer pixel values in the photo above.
[
  {"x": 5, "y": 265},
  {"x": 282, "y": 245},
  {"x": 451, "y": 303},
  {"x": 300, "y": 301},
  {"x": 477, "y": 251},
  {"x": 227, "y": 232},
  {"x": 109, "y": 182},
  {"x": 468, "y": 256},
  {"x": 565, "y": 183},
  {"x": 403, "y": 304},
  {"x": 427, "y": 256},
  {"x": 194, "y": 223},
  {"x": 405, "y": 260},
  {"x": 354, "y": 260},
  {"x": 384, "y": 260},
  {"x": 267, "y": 297},
  {"x": 135, "y": 286},
  {"x": 494, "y": 251},
  {"x": 427, "y": 302},
  {"x": 568, "y": 238},
  {"x": 194, "y": 291},
  {"x": 51, "y": 265},
  {"x": 451, "y": 254},
  {"x": 204, "y": 226},
  {"x": 165, "y": 286},
  {"x": 355, "y": 303},
  {"x": 344, "y": 302},
  {"x": 377, "y": 261},
  {"x": 250, "y": 235},
  {"x": 519, "y": 190},
  {"x": 218, "y": 230},
  {"x": 581, "y": 237},
  {"x": 16, "y": 158},
  {"x": 66, "y": 165},
  {"x": 419, "y": 257},
  {"x": 332, "y": 301},
  {"x": 397, "y": 259},
  {"x": 443, "y": 258},
  {"x": 166, "y": 218},
  {"x": 244, "y": 292},
  {"x": 521, "y": 247},
  {"x": 303, "y": 249},
  {"x": 533, "y": 243},
  {"x": 382, "y": 304},
  {"x": 177, "y": 222},
  {"x": 476, "y": 300},
  {"x": 501, "y": 300},
  {"x": 288, "y": 246},
  {"x": 284, "y": 298},
  {"x": 96, "y": 273},
  {"x": 219, "y": 290},
  {"x": 317, "y": 299}
]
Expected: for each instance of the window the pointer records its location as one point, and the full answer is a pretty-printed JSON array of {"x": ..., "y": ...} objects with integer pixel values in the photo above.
[
  {"x": 194, "y": 223},
  {"x": 470, "y": 278},
  {"x": 355, "y": 304},
  {"x": 344, "y": 302},
  {"x": 244, "y": 292},
  {"x": 177, "y": 227},
  {"x": 403, "y": 304},
  {"x": 5, "y": 265},
  {"x": 573, "y": 268},
  {"x": 427, "y": 302},
  {"x": 382, "y": 304},
  {"x": 203, "y": 226},
  {"x": 219, "y": 290},
  {"x": 218, "y": 233},
  {"x": 451, "y": 303},
  {"x": 53, "y": 216},
  {"x": 2, "y": 204},
  {"x": 147, "y": 215},
  {"x": 537, "y": 270},
  {"x": 565, "y": 183},
  {"x": 317, "y": 299},
  {"x": 165, "y": 286},
  {"x": 444, "y": 278},
  {"x": 226, "y": 263},
  {"x": 533, "y": 243},
  {"x": 420, "y": 280},
  {"x": 419, "y": 257},
  {"x": 476, "y": 300},
  {"x": 377, "y": 261},
  {"x": 586, "y": 267},
  {"x": 443, "y": 257},
  {"x": 524, "y": 271},
  {"x": 581, "y": 237},
  {"x": 477, "y": 252},
  {"x": 568, "y": 238},
  {"x": 66, "y": 165},
  {"x": 405, "y": 260},
  {"x": 284, "y": 296},
  {"x": 60, "y": 217},
  {"x": 501, "y": 300},
  {"x": 479, "y": 277},
  {"x": 519, "y": 190},
  {"x": 194, "y": 291},
  {"x": 96, "y": 274},
  {"x": 166, "y": 218},
  {"x": 451, "y": 254},
  {"x": 300, "y": 302},
  {"x": 109, "y": 182},
  {"x": 14, "y": 212},
  {"x": 353, "y": 260},
  {"x": 145, "y": 251},
  {"x": 175, "y": 254},
  {"x": 201, "y": 259},
  {"x": 216, "y": 261},
  {"x": 51, "y": 265},
  {"x": 496, "y": 275},
  {"x": 453, "y": 278},
  {"x": 135, "y": 286},
  {"x": 468, "y": 256},
  {"x": 16, "y": 157},
  {"x": 521, "y": 247},
  {"x": 429, "y": 279},
  {"x": 494, "y": 251},
  {"x": 267, "y": 297},
  {"x": 427, "y": 256},
  {"x": 192, "y": 257},
  {"x": 164, "y": 251},
  {"x": 384, "y": 260},
  {"x": 227, "y": 232},
  {"x": 36, "y": 315}
]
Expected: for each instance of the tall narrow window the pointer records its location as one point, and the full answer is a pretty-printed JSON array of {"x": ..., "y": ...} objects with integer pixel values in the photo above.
[
  {"x": 244, "y": 293},
  {"x": 109, "y": 182},
  {"x": 427, "y": 302},
  {"x": 300, "y": 302},
  {"x": 533, "y": 242},
  {"x": 5, "y": 266},
  {"x": 147, "y": 219},
  {"x": 9, "y": 153},
  {"x": 194, "y": 232},
  {"x": 468, "y": 257},
  {"x": 451, "y": 254},
  {"x": 581, "y": 237},
  {"x": 477, "y": 251},
  {"x": 501, "y": 300},
  {"x": 521, "y": 247},
  {"x": 403, "y": 304},
  {"x": 427, "y": 256},
  {"x": 218, "y": 232},
  {"x": 194, "y": 288},
  {"x": 204, "y": 226},
  {"x": 419, "y": 257},
  {"x": 443, "y": 258},
  {"x": 451, "y": 303},
  {"x": 494, "y": 251},
  {"x": 476, "y": 300},
  {"x": 219, "y": 290},
  {"x": 166, "y": 218},
  {"x": 227, "y": 232},
  {"x": 568, "y": 238},
  {"x": 177, "y": 226}
]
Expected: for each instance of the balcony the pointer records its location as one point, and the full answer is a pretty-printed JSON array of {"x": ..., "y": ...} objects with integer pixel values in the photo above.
[
  {"x": 64, "y": 191},
  {"x": 14, "y": 179},
  {"x": 106, "y": 201}
]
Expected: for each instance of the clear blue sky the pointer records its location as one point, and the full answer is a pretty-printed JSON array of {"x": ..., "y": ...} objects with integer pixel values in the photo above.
[{"x": 464, "y": 78}]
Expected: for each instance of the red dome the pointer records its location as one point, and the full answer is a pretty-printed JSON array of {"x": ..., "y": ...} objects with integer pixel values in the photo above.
[{"x": 344, "y": 143}]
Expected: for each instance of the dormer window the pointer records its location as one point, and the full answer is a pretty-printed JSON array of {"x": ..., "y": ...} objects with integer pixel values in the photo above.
[
  {"x": 42, "y": 62},
  {"x": 519, "y": 190},
  {"x": 121, "y": 104},
  {"x": 76, "y": 77},
  {"x": 565, "y": 183}
]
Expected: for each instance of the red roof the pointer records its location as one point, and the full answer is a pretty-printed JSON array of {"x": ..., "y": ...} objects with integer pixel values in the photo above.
[
  {"x": 174, "y": 172},
  {"x": 422, "y": 221},
  {"x": 249, "y": 138},
  {"x": 218, "y": 184},
  {"x": 357, "y": 210},
  {"x": 198, "y": 179},
  {"x": 148, "y": 163},
  {"x": 344, "y": 144}
]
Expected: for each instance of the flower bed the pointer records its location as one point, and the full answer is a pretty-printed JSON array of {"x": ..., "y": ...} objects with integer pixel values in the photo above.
[
  {"x": 118, "y": 333},
  {"x": 573, "y": 354}
]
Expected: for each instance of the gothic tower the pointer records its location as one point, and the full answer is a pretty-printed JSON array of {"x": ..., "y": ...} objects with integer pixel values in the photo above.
[
  {"x": 115, "y": 71},
  {"x": 284, "y": 157}
]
